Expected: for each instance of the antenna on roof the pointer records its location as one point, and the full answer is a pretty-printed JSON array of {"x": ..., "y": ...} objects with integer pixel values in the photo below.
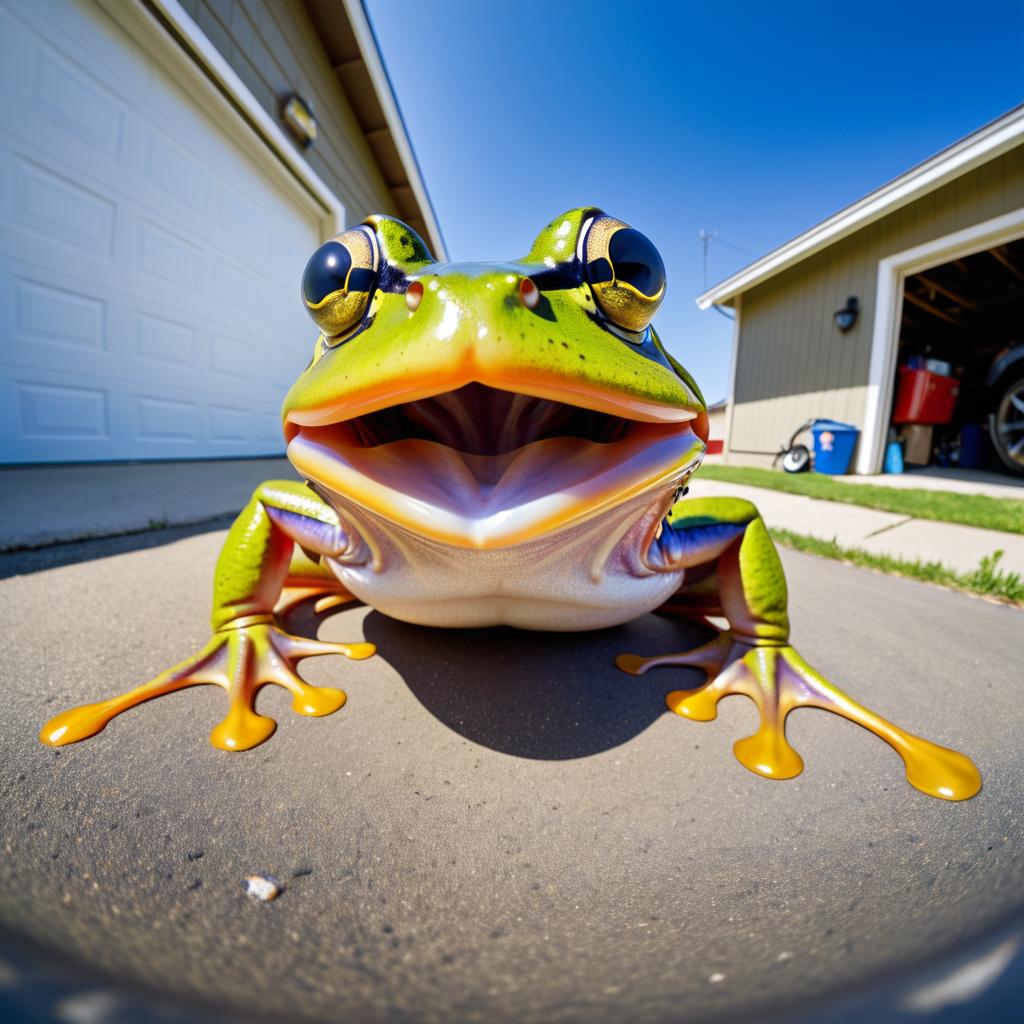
[{"x": 705, "y": 238}]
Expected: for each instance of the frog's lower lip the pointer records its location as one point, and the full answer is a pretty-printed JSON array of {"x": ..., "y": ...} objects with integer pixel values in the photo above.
[{"x": 484, "y": 468}]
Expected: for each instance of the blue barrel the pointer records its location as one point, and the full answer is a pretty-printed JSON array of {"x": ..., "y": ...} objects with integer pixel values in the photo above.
[{"x": 833, "y": 446}]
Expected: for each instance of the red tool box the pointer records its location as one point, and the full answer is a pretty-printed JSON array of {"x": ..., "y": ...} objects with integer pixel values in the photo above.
[{"x": 924, "y": 397}]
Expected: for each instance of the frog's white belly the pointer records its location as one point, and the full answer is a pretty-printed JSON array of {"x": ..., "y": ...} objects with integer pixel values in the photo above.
[{"x": 587, "y": 576}]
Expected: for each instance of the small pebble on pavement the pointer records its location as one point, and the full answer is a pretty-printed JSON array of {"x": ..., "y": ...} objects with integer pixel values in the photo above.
[{"x": 262, "y": 887}]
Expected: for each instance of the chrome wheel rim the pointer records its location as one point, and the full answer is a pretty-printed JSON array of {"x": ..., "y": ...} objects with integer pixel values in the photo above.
[{"x": 1010, "y": 424}]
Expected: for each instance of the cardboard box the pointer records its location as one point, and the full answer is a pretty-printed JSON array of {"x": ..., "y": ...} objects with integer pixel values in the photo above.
[{"x": 917, "y": 444}]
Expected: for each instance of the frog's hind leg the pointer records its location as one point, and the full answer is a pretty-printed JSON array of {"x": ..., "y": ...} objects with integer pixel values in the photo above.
[
  {"x": 754, "y": 657},
  {"x": 698, "y": 601}
]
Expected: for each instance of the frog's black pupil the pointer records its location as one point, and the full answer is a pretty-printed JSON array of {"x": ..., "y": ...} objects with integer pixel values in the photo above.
[
  {"x": 326, "y": 272},
  {"x": 636, "y": 261}
]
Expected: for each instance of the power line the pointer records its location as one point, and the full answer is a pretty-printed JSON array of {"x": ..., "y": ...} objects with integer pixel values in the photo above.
[{"x": 738, "y": 248}]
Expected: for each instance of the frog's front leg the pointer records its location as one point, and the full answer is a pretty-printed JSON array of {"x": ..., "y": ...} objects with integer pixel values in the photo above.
[
  {"x": 309, "y": 578},
  {"x": 269, "y": 552},
  {"x": 754, "y": 657}
]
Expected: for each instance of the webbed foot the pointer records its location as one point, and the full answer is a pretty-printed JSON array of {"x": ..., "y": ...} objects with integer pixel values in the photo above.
[
  {"x": 241, "y": 658},
  {"x": 777, "y": 679}
]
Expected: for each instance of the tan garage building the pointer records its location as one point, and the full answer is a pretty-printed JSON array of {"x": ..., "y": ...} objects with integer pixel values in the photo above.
[{"x": 933, "y": 265}]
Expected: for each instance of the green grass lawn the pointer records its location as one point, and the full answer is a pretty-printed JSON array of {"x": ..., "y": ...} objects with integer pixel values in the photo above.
[{"x": 1005, "y": 514}]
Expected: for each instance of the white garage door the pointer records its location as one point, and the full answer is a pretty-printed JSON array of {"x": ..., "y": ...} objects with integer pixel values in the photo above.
[{"x": 150, "y": 255}]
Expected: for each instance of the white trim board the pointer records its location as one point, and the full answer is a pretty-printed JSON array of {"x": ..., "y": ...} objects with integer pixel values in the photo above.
[
  {"x": 892, "y": 272},
  {"x": 193, "y": 56},
  {"x": 733, "y": 360},
  {"x": 975, "y": 149}
]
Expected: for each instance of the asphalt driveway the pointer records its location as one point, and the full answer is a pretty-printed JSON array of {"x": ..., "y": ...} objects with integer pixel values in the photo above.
[{"x": 498, "y": 826}]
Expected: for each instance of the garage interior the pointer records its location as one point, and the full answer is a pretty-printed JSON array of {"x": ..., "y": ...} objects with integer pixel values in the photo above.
[{"x": 960, "y": 321}]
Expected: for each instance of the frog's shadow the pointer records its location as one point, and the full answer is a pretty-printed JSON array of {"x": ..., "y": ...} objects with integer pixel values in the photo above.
[{"x": 547, "y": 696}]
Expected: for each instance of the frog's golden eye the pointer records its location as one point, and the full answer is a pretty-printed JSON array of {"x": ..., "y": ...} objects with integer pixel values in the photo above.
[
  {"x": 625, "y": 271},
  {"x": 339, "y": 279}
]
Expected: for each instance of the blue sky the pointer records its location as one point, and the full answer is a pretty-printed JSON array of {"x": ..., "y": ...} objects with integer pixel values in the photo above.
[{"x": 754, "y": 120}]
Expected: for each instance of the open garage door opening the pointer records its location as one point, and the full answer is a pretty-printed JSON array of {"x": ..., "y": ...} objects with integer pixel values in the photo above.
[{"x": 959, "y": 390}]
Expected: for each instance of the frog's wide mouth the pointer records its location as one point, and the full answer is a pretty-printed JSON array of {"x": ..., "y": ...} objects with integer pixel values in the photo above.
[{"x": 483, "y": 467}]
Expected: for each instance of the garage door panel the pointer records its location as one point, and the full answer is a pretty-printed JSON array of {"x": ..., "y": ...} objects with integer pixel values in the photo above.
[
  {"x": 149, "y": 257},
  {"x": 74, "y": 99},
  {"x": 74, "y": 417},
  {"x": 154, "y": 256},
  {"x": 234, "y": 359},
  {"x": 58, "y": 411},
  {"x": 61, "y": 209},
  {"x": 285, "y": 367},
  {"x": 48, "y": 315},
  {"x": 162, "y": 419},
  {"x": 230, "y": 423},
  {"x": 79, "y": 328},
  {"x": 82, "y": 324},
  {"x": 132, "y": 377},
  {"x": 170, "y": 258},
  {"x": 49, "y": 97},
  {"x": 85, "y": 191},
  {"x": 163, "y": 341},
  {"x": 172, "y": 169}
]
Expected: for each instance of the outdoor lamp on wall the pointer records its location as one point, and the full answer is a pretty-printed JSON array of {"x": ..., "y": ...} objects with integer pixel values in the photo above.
[
  {"x": 846, "y": 317},
  {"x": 298, "y": 115}
]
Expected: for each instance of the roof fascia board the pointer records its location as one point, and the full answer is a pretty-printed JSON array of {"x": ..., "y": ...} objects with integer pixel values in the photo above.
[
  {"x": 986, "y": 144},
  {"x": 382, "y": 84}
]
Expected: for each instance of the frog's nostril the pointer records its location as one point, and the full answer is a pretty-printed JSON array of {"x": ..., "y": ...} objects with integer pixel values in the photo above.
[
  {"x": 414, "y": 296},
  {"x": 529, "y": 293}
]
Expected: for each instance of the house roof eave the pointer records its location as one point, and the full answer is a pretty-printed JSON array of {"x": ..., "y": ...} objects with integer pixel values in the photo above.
[{"x": 988, "y": 142}]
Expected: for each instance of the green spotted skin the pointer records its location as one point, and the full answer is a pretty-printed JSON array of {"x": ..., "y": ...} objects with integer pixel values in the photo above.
[
  {"x": 469, "y": 326},
  {"x": 763, "y": 583},
  {"x": 257, "y": 556},
  {"x": 751, "y": 580}
]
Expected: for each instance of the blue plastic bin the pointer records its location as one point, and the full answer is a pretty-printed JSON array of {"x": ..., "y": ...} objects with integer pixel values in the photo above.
[{"x": 833, "y": 446}]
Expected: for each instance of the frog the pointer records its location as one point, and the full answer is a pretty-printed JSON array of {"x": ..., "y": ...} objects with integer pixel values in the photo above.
[{"x": 504, "y": 444}]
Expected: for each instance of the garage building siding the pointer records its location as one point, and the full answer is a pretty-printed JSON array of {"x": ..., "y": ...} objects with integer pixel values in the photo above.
[
  {"x": 272, "y": 46},
  {"x": 792, "y": 363}
]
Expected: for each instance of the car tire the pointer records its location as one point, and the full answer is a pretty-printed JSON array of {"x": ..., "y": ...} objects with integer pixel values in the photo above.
[{"x": 1006, "y": 423}]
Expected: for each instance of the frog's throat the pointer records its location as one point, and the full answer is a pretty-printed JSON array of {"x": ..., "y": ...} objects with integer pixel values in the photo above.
[{"x": 486, "y": 468}]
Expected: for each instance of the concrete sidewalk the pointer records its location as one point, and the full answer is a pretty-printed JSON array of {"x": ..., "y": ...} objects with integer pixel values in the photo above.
[
  {"x": 42, "y": 505},
  {"x": 47, "y": 505},
  {"x": 937, "y": 478},
  {"x": 888, "y": 533}
]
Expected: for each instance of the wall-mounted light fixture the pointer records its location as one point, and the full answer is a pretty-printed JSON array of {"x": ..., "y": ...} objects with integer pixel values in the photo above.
[
  {"x": 846, "y": 317},
  {"x": 298, "y": 115}
]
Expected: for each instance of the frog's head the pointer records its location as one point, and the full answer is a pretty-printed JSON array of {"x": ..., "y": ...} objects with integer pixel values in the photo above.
[{"x": 487, "y": 404}]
